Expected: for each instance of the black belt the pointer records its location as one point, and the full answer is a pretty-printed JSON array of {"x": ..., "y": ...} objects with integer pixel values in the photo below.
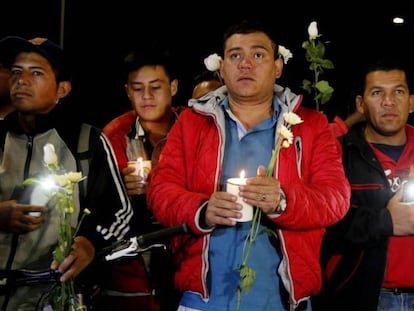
[{"x": 400, "y": 290}]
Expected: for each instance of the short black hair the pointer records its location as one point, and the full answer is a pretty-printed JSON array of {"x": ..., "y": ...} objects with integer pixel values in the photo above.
[
  {"x": 383, "y": 63},
  {"x": 150, "y": 56},
  {"x": 248, "y": 26}
]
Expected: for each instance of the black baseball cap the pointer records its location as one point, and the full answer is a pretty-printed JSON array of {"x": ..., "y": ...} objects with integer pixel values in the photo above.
[{"x": 10, "y": 46}]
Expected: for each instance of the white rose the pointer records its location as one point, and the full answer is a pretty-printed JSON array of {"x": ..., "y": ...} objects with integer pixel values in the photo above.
[
  {"x": 212, "y": 62},
  {"x": 74, "y": 177},
  {"x": 68, "y": 178},
  {"x": 286, "y": 134},
  {"x": 285, "y": 144},
  {"x": 313, "y": 30},
  {"x": 285, "y": 53},
  {"x": 292, "y": 118},
  {"x": 60, "y": 180},
  {"x": 49, "y": 155}
]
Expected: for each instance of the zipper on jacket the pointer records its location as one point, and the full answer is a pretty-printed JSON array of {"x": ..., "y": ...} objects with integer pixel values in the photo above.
[
  {"x": 29, "y": 147},
  {"x": 298, "y": 145},
  {"x": 15, "y": 237}
]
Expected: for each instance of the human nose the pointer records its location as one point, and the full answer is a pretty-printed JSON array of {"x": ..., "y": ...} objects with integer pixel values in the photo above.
[
  {"x": 388, "y": 99},
  {"x": 22, "y": 78},
  {"x": 147, "y": 93},
  {"x": 246, "y": 62}
]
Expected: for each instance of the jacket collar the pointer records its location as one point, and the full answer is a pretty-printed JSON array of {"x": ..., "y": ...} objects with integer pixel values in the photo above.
[
  {"x": 288, "y": 100},
  {"x": 43, "y": 122}
]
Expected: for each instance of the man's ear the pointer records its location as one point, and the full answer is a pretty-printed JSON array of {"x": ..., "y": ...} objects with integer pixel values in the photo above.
[
  {"x": 411, "y": 104},
  {"x": 174, "y": 87},
  {"x": 64, "y": 88},
  {"x": 359, "y": 104},
  {"x": 278, "y": 67}
]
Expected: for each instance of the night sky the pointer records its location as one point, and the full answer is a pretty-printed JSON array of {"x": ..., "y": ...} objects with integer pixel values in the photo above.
[{"x": 97, "y": 37}]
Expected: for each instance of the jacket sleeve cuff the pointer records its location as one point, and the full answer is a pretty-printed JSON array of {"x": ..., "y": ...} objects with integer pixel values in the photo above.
[
  {"x": 281, "y": 207},
  {"x": 200, "y": 218}
]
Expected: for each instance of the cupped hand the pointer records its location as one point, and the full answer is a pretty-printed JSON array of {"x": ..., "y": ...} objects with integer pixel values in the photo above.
[
  {"x": 16, "y": 218},
  {"x": 220, "y": 208},
  {"x": 134, "y": 184},
  {"x": 262, "y": 191}
]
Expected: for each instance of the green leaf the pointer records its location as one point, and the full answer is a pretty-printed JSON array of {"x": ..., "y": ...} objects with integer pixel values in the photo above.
[
  {"x": 323, "y": 86},
  {"x": 269, "y": 232},
  {"x": 326, "y": 63},
  {"x": 314, "y": 66},
  {"x": 306, "y": 45},
  {"x": 320, "y": 48},
  {"x": 30, "y": 181},
  {"x": 247, "y": 277},
  {"x": 325, "y": 98},
  {"x": 325, "y": 90},
  {"x": 307, "y": 86}
]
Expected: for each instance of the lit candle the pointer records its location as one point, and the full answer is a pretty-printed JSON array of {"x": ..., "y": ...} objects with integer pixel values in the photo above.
[
  {"x": 242, "y": 176},
  {"x": 233, "y": 187}
]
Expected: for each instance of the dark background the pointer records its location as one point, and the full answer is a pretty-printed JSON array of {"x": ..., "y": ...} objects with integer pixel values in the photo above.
[{"x": 97, "y": 35}]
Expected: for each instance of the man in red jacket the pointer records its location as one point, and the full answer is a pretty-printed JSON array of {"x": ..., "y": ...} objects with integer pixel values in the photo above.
[
  {"x": 143, "y": 283},
  {"x": 306, "y": 190}
]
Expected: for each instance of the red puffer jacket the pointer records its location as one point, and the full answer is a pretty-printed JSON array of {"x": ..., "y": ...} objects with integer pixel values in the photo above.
[{"x": 310, "y": 172}]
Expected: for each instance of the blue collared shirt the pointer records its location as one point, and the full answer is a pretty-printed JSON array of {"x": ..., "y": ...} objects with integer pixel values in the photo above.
[{"x": 244, "y": 150}]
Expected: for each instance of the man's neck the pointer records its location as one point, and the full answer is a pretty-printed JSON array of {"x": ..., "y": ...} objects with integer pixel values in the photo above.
[
  {"x": 157, "y": 130},
  {"x": 251, "y": 115},
  {"x": 374, "y": 137}
]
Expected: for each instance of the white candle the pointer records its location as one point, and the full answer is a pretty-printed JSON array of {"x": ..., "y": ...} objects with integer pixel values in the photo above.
[
  {"x": 233, "y": 187},
  {"x": 140, "y": 167}
]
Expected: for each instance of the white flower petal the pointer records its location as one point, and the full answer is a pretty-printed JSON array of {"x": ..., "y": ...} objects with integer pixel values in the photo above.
[
  {"x": 49, "y": 155},
  {"x": 285, "y": 53},
  {"x": 286, "y": 144},
  {"x": 313, "y": 30},
  {"x": 286, "y": 133},
  {"x": 212, "y": 62},
  {"x": 292, "y": 118},
  {"x": 74, "y": 177}
]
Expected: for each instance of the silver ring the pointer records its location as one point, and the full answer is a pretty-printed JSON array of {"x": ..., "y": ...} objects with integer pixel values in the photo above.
[{"x": 263, "y": 198}]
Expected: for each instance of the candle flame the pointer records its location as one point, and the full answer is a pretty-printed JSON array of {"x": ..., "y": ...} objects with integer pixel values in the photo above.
[{"x": 242, "y": 174}]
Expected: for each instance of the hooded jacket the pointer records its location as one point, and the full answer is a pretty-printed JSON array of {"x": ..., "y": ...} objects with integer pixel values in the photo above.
[
  {"x": 21, "y": 157},
  {"x": 311, "y": 176}
]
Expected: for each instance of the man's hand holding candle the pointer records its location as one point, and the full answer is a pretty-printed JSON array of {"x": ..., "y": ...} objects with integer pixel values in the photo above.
[{"x": 261, "y": 191}]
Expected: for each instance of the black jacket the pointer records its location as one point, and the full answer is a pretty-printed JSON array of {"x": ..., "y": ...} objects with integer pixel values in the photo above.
[{"x": 354, "y": 251}]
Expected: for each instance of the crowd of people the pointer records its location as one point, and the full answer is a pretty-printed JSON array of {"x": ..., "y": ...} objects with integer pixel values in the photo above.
[{"x": 333, "y": 229}]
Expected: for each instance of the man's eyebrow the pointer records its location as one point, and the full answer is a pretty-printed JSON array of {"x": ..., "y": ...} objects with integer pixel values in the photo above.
[
  {"x": 253, "y": 47},
  {"x": 30, "y": 67}
]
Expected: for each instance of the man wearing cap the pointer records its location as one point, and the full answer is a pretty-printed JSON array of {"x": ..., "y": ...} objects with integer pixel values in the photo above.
[{"x": 40, "y": 78}]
